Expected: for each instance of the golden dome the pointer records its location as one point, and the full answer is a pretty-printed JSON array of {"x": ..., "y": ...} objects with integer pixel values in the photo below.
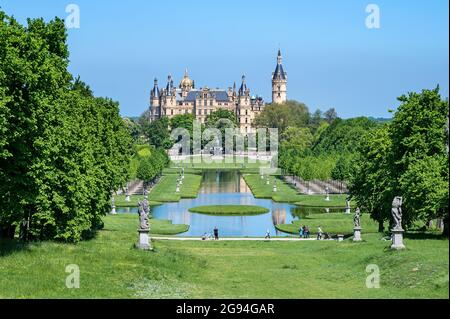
[{"x": 186, "y": 81}]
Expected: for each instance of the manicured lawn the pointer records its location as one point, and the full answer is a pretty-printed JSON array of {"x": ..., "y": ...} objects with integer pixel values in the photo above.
[
  {"x": 233, "y": 163},
  {"x": 229, "y": 210},
  {"x": 111, "y": 268},
  {"x": 134, "y": 199},
  {"x": 319, "y": 201},
  {"x": 333, "y": 223},
  {"x": 260, "y": 189},
  {"x": 165, "y": 190}
]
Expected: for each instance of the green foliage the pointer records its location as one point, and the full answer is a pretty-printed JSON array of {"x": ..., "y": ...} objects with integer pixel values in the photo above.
[
  {"x": 221, "y": 118},
  {"x": 282, "y": 116},
  {"x": 157, "y": 132},
  {"x": 70, "y": 149},
  {"x": 342, "y": 136},
  {"x": 342, "y": 169},
  {"x": 407, "y": 157}
]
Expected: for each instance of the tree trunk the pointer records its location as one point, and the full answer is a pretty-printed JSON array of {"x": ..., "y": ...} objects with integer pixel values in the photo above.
[
  {"x": 445, "y": 231},
  {"x": 380, "y": 226},
  {"x": 7, "y": 231}
]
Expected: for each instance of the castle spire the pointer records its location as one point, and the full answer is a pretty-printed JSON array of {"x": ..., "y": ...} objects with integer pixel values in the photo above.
[{"x": 279, "y": 82}]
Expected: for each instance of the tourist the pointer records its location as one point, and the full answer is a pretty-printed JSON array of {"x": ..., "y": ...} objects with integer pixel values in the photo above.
[
  {"x": 305, "y": 231},
  {"x": 301, "y": 232},
  {"x": 216, "y": 233},
  {"x": 319, "y": 233},
  {"x": 267, "y": 234}
]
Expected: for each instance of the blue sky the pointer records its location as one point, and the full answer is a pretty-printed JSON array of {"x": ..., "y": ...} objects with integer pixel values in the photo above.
[{"x": 331, "y": 58}]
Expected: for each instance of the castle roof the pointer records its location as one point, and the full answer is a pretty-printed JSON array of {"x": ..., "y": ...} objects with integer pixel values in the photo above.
[
  {"x": 279, "y": 73},
  {"x": 220, "y": 95}
]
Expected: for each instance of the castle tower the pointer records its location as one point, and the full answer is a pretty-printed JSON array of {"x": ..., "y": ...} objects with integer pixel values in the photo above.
[
  {"x": 279, "y": 82},
  {"x": 186, "y": 84},
  {"x": 154, "y": 94}
]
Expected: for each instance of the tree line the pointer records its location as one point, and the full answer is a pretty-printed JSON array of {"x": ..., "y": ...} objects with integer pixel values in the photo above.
[
  {"x": 62, "y": 150},
  {"x": 406, "y": 157}
]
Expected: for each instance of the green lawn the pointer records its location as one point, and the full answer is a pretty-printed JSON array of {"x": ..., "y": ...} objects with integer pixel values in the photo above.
[
  {"x": 236, "y": 163},
  {"x": 319, "y": 200},
  {"x": 134, "y": 199},
  {"x": 285, "y": 192},
  {"x": 333, "y": 223},
  {"x": 229, "y": 210},
  {"x": 111, "y": 268},
  {"x": 165, "y": 190}
]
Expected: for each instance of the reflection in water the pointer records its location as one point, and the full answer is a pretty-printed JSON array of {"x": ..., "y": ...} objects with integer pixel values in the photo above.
[
  {"x": 215, "y": 181},
  {"x": 228, "y": 187}
]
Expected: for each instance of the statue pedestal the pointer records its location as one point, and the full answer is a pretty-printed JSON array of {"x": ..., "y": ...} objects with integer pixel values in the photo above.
[
  {"x": 340, "y": 237},
  {"x": 127, "y": 198},
  {"x": 347, "y": 210},
  {"x": 397, "y": 239},
  {"x": 144, "y": 239},
  {"x": 274, "y": 188},
  {"x": 113, "y": 210},
  {"x": 357, "y": 234},
  {"x": 327, "y": 198}
]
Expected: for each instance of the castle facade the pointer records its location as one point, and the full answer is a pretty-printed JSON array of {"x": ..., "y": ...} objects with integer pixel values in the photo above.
[{"x": 186, "y": 99}]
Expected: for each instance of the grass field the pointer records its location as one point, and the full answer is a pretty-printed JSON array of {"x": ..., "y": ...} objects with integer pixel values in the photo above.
[
  {"x": 165, "y": 190},
  {"x": 229, "y": 210},
  {"x": 260, "y": 189},
  {"x": 333, "y": 223},
  {"x": 111, "y": 268},
  {"x": 319, "y": 200}
]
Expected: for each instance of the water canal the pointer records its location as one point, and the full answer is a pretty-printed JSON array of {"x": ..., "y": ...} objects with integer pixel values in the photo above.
[{"x": 228, "y": 188}]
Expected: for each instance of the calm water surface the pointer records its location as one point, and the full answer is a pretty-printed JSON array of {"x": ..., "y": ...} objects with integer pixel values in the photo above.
[{"x": 227, "y": 187}]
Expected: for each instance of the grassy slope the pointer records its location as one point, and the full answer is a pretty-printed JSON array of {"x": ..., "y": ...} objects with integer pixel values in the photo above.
[
  {"x": 288, "y": 194},
  {"x": 165, "y": 190},
  {"x": 259, "y": 188},
  {"x": 319, "y": 201},
  {"x": 229, "y": 210},
  {"x": 333, "y": 223},
  {"x": 110, "y": 267}
]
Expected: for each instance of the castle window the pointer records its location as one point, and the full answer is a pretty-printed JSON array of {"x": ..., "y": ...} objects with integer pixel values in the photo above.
[{"x": 279, "y": 95}]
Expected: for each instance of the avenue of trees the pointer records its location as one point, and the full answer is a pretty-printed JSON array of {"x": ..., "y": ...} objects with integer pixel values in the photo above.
[
  {"x": 148, "y": 163},
  {"x": 62, "y": 150}
]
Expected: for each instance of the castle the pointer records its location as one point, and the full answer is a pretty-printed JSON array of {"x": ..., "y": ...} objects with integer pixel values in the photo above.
[{"x": 186, "y": 99}]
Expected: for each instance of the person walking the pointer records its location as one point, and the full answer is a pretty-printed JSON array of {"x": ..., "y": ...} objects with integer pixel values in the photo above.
[
  {"x": 301, "y": 232},
  {"x": 216, "y": 233},
  {"x": 267, "y": 234},
  {"x": 305, "y": 231},
  {"x": 319, "y": 233}
]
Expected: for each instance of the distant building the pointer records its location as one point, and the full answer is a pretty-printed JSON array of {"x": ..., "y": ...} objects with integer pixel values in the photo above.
[{"x": 186, "y": 99}]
